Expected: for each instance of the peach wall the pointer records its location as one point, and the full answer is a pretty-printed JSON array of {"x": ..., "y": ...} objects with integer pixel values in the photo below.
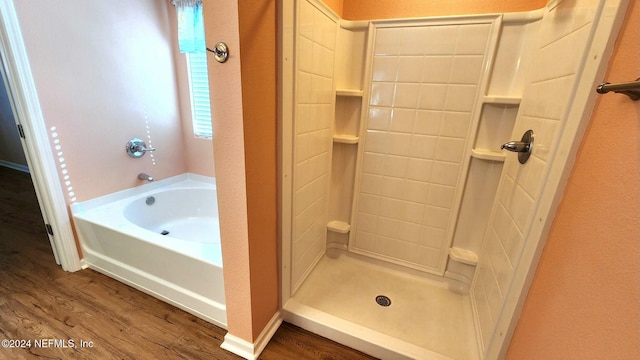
[
  {"x": 221, "y": 24},
  {"x": 245, "y": 152},
  {"x": 99, "y": 86},
  {"x": 584, "y": 302},
  {"x": 336, "y": 5},
  {"x": 258, "y": 66},
  {"x": 388, "y": 9}
]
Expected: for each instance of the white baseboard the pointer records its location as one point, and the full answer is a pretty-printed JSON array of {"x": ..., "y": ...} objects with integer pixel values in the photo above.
[
  {"x": 11, "y": 165},
  {"x": 248, "y": 350}
]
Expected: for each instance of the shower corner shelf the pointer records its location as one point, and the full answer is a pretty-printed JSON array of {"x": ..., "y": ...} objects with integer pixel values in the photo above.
[
  {"x": 345, "y": 139},
  {"x": 463, "y": 256},
  {"x": 484, "y": 154},
  {"x": 338, "y": 226},
  {"x": 346, "y": 92},
  {"x": 502, "y": 100}
]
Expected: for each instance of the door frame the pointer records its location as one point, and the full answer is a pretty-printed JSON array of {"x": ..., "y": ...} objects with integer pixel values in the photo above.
[{"x": 23, "y": 96}]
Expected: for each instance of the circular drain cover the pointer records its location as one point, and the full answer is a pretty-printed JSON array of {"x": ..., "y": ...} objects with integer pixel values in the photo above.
[{"x": 383, "y": 300}]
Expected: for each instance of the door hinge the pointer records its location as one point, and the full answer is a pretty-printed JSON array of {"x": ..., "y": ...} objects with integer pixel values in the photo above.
[
  {"x": 21, "y": 131},
  {"x": 49, "y": 229}
]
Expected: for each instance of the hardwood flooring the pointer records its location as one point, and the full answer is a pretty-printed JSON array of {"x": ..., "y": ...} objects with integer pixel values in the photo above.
[{"x": 86, "y": 315}]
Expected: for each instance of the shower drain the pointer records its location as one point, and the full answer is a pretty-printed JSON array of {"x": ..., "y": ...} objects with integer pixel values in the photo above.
[{"x": 383, "y": 300}]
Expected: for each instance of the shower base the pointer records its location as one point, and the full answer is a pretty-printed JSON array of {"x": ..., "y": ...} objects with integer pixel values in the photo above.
[{"x": 424, "y": 319}]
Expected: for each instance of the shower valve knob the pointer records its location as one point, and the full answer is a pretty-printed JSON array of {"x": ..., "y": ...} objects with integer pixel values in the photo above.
[{"x": 522, "y": 147}]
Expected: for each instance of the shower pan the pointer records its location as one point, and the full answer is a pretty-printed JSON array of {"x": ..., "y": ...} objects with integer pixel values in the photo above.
[{"x": 407, "y": 230}]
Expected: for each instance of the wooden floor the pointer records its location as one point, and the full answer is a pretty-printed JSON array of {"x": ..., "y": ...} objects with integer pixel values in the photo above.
[{"x": 97, "y": 317}]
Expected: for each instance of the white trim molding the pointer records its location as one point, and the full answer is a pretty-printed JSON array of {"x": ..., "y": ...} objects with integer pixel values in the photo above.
[{"x": 248, "y": 350}]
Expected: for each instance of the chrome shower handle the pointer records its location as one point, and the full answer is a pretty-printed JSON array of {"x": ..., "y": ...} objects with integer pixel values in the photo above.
[
  {"x": 516, "y": 146},
  {"x": 136, "y": 148},
  {"x": 522, "y": 147}
]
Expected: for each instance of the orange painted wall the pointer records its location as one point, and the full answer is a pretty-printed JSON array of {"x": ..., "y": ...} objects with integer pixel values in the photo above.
[
  {"x": 243, "y": 96},
  {"x": 221, "y": 23},
  {"x": 388, "y": 9},
  {"x": 257, "y": 20},
  {"x": 584, "y": 302}
]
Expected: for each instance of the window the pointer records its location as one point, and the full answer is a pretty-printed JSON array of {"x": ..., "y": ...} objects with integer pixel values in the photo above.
[{"x": 199, "y": 86}]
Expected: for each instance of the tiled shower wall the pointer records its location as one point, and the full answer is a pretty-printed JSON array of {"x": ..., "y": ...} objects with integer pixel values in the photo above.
[
  {"x": 424, "y": 85},
  {"x": 313, "y": 124},
  {"x": 547, "y": 95}
]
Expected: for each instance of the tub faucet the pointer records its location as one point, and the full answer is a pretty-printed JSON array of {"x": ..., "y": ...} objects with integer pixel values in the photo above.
[{"x": 143, "y": 176}]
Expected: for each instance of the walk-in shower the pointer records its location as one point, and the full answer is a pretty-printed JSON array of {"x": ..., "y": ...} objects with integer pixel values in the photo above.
[{"x": 407, "y": 230}]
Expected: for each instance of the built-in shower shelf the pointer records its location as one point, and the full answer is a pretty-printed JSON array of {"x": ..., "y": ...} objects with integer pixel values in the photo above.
[
  {"x": 463, "y": 256},
  {"x": 502, "y": 100},
  {"x": 485, "y": 154},
  {"x": 345, "y": 92},
  {"x": 345, "y": 139},
  {"x": 338, "y": 226}
]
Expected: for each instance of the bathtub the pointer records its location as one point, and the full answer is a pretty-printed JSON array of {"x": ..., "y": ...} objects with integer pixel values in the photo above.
[{"x": 162, "y": 238}]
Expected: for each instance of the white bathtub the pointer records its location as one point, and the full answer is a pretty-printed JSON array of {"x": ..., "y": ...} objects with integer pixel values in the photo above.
[{"x": 122, "y": 236}]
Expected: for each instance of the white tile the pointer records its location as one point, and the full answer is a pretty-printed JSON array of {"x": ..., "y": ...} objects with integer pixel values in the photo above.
[
  {"x": 472, "y": 39},
  {"x": 440, "y": 195},
  {"x": 369, "y": 204},
  {"x": 302, "y": 152},
  {"x": 455, "y": 124},
  {"x": 445, "y": 173},
  {"x": 388, "y": 227},
  {"x": 406, "y": 95},
  {"x": 438, "y": 40},
  {"x": 385, "y": 68},
  {"x": 392, "y": 188},
  {"x": 450, "y": 149},
  {"x": 382, "y": 94},
  {"x": 305, "y": 54},
  {"x": 303, "y": 89},
  {"x": 387, "y": 41},
  {"x": 373, "y": 163},
  {"x": 460, "y": 98},
  {"x": 423, "y": 146},
  {"x": 323, "y": 59},
  {"x": 306, "y": 20},
  {"x": 436, "y": 69},
  {"x": 367, "y": 222},
  {"x": 403, "y": 120},
  {"x": 413, "y": 213},
  {"x": 415, "y": 191},
  {"x": 437, "y": 217},
  {"x": 370, "y": 184},
  {"x": 409, "y": 232},
  {"x": 419, "y": 169},
  {"x": 376, "y": 141},
  {"x": 413, "y": 40},
  {"x": 432, "y": 96},
  {"x": 428, "y": 122},
  {"x": 302, "y": 118},
  {"x": 399, "y": 144},
  {"x": 432, "y": 237},
  {"x": 396, "y": 166},
  {"x": 379, "y": 118},
  {"x": 410, "y": 69},
  {"x": 467, "y": 69}
]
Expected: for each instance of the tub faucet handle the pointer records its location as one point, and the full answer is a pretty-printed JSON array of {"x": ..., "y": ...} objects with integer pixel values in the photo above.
[{"x": 136, "y": 148}]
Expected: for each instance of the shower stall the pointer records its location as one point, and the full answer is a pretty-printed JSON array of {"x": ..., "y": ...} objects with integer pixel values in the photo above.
[{"x": 407, "y": 231}]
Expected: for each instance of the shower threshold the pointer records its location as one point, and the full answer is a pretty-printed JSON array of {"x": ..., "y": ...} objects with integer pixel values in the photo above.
[{"x": 424, "y": 319}]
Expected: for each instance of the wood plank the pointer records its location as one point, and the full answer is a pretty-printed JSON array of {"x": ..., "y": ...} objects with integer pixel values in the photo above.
[{"x": 38, "y": 300}]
